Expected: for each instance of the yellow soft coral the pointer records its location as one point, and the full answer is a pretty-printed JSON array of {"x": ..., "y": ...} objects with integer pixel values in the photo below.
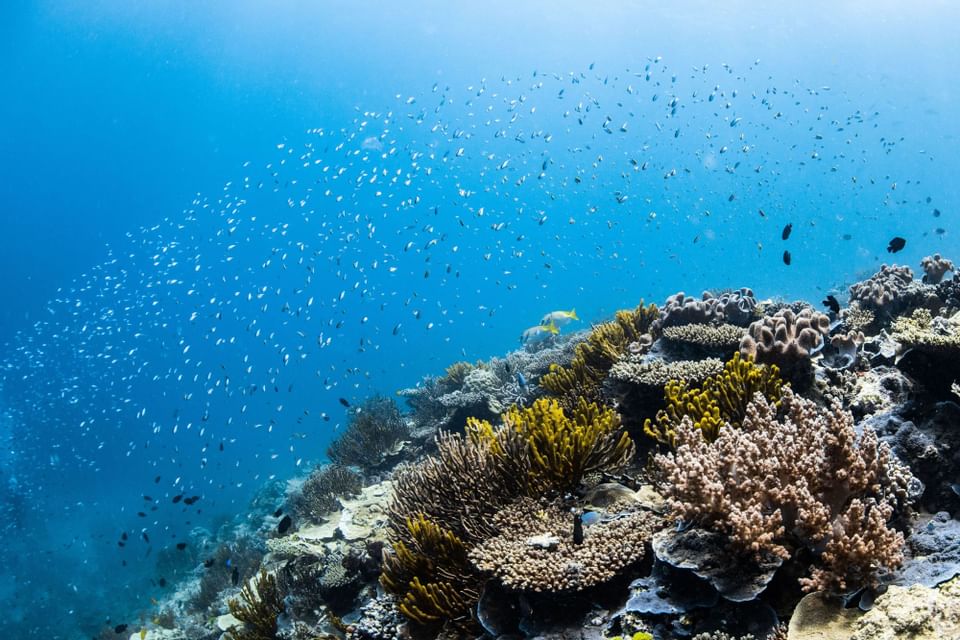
[
  {"x": 722, "y": 399},
  {"x": 433, "y": 576},
  {"x": 593, "y": 358},
  {"x": 563, "y": 449}
]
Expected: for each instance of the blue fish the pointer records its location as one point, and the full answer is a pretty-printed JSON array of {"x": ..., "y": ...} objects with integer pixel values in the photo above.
[
  {"x": 590, "y": 517},
  {"x": 521, "y": 380}
]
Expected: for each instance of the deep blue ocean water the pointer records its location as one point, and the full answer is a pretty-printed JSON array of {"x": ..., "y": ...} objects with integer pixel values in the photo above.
[{"x": 219, "y": 219}]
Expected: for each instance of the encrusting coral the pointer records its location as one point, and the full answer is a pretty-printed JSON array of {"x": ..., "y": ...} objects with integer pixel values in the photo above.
[
  {"x": 374, "y": 431},
  {"x": 800, "y": 479},
  {"x": 259, "y": 605},
  {"x": 593, "y": 358},
  {"x": 721, "y": 400}
]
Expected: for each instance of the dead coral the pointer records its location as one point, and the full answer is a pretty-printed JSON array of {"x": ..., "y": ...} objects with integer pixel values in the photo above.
[
  {"x": 802, "y": 479},
  {"x": 258, "y": 607},
  {"x": 534, "y": 549},
  {"x": 374, "y": 432},
  {"x": 787, "y": 340}
]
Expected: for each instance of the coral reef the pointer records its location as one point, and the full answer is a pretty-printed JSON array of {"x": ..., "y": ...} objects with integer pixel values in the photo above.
[
  {"x": 592, "y": 359},
  {"x": 259, "y": 606},
  {"x": 374, "y": 432},
  {"x": 884, "y": 289},
  {"x": 721, "y": 400},
  {"x": 320, "y": 491},
  {"x": 798, "y": 480},
  {"x": 535, "y": 547},
  {"x": 704, "y": 339},
  {"x": 655, "y": 374},
  {"x": 731, "y": 307},
  {"x": 787, "y": 340},
  {"x": 935, "y": 267}
]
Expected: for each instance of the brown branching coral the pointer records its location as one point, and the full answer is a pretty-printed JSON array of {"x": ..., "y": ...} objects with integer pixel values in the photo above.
[
  {"x": 259, "y": 605},
  {"x": 801, "y": 480},
  {"x": 534, "y": 549},
  {"x": 721, "y": 400},
  {"x": 374, "y": 431},
  {"x": 593, "y": 358}
]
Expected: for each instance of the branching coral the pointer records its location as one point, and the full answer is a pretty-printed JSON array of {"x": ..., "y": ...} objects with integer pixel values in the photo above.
[
  {"x": 593, "y": 358},
  {"x": 373, "y": 433},
  {"x": 722, "y": 399},
  {"x": 923, "y": 332},
  {"x": 803, "y": 479},
  {"x": 259, "y": 605},
  {"x": 320, "y": 491}
]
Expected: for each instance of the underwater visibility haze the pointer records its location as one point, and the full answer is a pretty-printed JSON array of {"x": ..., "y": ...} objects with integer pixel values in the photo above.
[{"x": 273, "y": 272}]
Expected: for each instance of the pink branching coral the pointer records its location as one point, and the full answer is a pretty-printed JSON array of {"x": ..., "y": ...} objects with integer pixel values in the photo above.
[{"x": 800, "y": 479}]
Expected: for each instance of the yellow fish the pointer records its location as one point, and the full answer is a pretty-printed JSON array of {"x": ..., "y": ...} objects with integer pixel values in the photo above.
[
  {"x": 539, "y": 333},
  {"x": 559, "y": 318}
]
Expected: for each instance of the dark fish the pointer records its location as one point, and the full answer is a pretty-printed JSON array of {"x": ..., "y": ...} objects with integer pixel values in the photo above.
[
  {"x": 278, "y": 513},
  {"x": 284, "y": 525},
  {"x": 235, "y": 576},
  {"x": 177, "y": 498},
  {"x": 577, "y": 528},
  {"x": 156, "y": 480},
  {"x": 191, "y": 499},
  {"x": 123, "y": 536},
  {"x": 146, "y": 538},
  {"x": 731, "y": 198},
  {"x": 120, "y": 628},
  {"x": 896, "y": 245},
  {"x": 762, "y": 214},
  {"x": 786, "y": 258},
  {"x": 936, "y": 213},
  {"x": 221, "y": 446},
  {"x": 148, "y": 498},
  {"x": 162, "y": 582},
  {"x": 181, "y": 546},
  {"x": 141, "y": 514},
  {"x": 831, "y": 303},
  {"x": 786, "y": 231},
  {"x": 208, "y": 563},
  {"x": 344, "y": 402}
]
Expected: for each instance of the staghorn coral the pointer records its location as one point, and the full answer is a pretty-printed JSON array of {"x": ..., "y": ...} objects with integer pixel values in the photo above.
[
  {"x": 534, "y": 548},
  {"x": 430, "y": 573},
  {"x": 799, "y": 480},
  {"x": 707, "y": 338},
  {"x": 320, "y": 491},
  {"x": 593, "y": 358},
  {"x": 935, "y": 267},
  {"x": 722, "y": 399},
  {"x": 732, "y": 307},
  {"x": 788, "y": 340},
  {"x": 884, "y": 290},
  {"x": 374, "y": 431},
  {"x": 258, "y": 607}
]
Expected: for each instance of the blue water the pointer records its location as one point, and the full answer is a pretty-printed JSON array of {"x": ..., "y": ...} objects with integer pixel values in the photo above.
[{"x": 195, "y": 197}]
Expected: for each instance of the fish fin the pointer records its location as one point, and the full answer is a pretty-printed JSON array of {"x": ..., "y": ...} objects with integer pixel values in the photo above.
[
  {"x": 573, "y": 314},
  {"x": 552, "y": 328}
]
